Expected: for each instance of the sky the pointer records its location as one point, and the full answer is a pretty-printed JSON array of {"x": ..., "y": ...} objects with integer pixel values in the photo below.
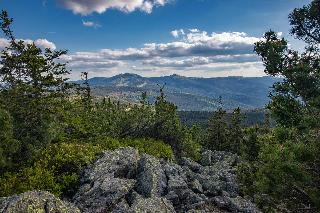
[{"x": 199, "y": 38}]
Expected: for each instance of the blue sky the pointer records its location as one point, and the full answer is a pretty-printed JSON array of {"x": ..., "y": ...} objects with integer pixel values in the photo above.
[{"x": 204, "y": 38}]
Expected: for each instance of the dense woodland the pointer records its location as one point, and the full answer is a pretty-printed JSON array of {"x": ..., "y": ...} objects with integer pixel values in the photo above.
[
  {"x": 249, "y": 117},
  {"x": 51, "y": 129}
]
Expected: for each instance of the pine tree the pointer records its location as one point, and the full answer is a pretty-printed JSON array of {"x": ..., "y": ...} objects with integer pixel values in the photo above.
[
  {"x": 34, "y": 85},
  {"x": 217, "y": 131},
  {"x": 236, "y": 133}
]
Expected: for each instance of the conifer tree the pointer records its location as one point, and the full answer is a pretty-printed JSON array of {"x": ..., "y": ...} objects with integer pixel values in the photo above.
[
  {"x": 236, "y": 133},
  {"x": 33, "y": 86},
  {"x": 217, "y": 131}
]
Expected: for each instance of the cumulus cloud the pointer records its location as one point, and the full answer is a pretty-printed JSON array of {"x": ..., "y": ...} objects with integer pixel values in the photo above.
[
  {"x": 177, "y": 33},
  {"x": 190, "y": 51},
  {"x": 86, "y": 7},
  {"x": 42, "y": 43},
  {"x": 3, "y": 43},
  {"x": 91, "y": 24},
  {"x": 198, "y": 43},
  {"x": 197, "y": 61},
  {"x": 83, "y": 65}
]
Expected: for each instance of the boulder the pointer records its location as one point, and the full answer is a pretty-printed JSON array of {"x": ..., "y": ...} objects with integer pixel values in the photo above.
[
  {"x": 122, "y": 181},
  {"x": 192, "y": 165},
  {"x": 152, "y": 205},
  {"x": 151, "y": 178},
  {"x": 120, "y": 163},
  {"x": 106, "y": 182},
  {"x": 237, "y": 204},
  {"x": 103, "y": 195},
  {"x": 209, "y": 157},
  {"x": 34, "y": 202}
]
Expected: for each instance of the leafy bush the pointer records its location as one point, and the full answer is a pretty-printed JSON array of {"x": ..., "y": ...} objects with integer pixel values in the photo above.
[
  {"x": 152, "y": 147},
  {"x": 58, "y": 167},
  {"x": 57, "y": 170},
  {"x": 282, "y": 173}
]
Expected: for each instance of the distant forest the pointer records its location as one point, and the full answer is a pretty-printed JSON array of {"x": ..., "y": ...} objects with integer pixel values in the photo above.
[{"x": 250, "y": 117}]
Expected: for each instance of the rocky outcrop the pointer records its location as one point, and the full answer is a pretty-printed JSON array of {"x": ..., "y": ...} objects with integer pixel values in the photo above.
[
  {"x": 151, "y": 179},
  {"x": 123, "y": 181},
  {"x": 108, "y": 181},
  {"x": 34, "y": 202}
]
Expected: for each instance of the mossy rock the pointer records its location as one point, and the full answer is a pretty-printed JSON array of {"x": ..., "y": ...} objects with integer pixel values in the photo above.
[{"x": 35, "y": 202}]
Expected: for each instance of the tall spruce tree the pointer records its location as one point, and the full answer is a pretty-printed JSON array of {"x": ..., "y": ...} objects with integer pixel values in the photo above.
[
  {"x": 236, "y": 133},
  {"x": 217, "y": 131}
]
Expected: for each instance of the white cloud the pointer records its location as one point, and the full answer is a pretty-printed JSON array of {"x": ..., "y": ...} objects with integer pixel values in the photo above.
[
  {"x": 4, "y": 43},
  {"x": 192, "y": 44},
  {"x": 86, "y": 7},
  {"x": 42, "y": 43},
  {"x": 279, "y": 34},
  {"x": 90, "y": 24},
  {"x": 192, "y": 53},
  {"x": 177, "y": 33},
  {"x": 196, "y": 61},
  {"x": 194, "y": 30}
]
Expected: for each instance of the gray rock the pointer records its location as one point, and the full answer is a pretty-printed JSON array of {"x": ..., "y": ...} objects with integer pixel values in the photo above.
[
  {"x": 194, "y": 166},
  {"x": 196, "y": 186},
  {"x": 105, "y": 183},
  {"x": 34, "y": 202},
  {"x": 121, "y": 207},
  {"x": 237, "y": 204},
  {"x": 122, "y": 181},
  {"x": 173, "y": 197},
  {"x": 103, "y": 195},
  {"x": 152, "y": 205},
  {"x": 191, "y": 200},
  {"x": 120, "y": 163},
  {"x": 206, "y": 158},
  {"x": 176, "y": 183},
  {"x": 173, "y": 170},
  {"x": 151, "y": 179},
  {"x": 209, "y": 157}
]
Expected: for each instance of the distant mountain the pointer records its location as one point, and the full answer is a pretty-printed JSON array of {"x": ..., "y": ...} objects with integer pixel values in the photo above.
[{"x": 188, "y": 93}]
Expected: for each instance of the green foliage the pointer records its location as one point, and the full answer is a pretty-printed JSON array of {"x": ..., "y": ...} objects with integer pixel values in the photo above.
[
  {"x": 35, "y": 85},
  {"x": 9, "y": 147},
  {"x": 235, "y": 132},
  {"x": 283, "y": 176},
  {"x": 250, "y": 147},
  {"x": 56, "y": 170},
  {"x": 224, "y": 135},
  {"x": 150, "y": 146},
  {"x": 58, "y": 167},
  {"x": 305, "y": 22},
  {"x": 217, "y": 131}
]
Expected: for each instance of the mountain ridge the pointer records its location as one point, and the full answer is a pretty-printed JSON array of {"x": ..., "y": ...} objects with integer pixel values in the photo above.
[{"x": 188, "y": 93}]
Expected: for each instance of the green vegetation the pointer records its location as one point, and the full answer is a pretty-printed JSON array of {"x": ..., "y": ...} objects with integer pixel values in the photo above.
[
  {"x": 58, "y": 166},
  {"x": 282, "y": 169},
  {"x": 50, "y": 130}
]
